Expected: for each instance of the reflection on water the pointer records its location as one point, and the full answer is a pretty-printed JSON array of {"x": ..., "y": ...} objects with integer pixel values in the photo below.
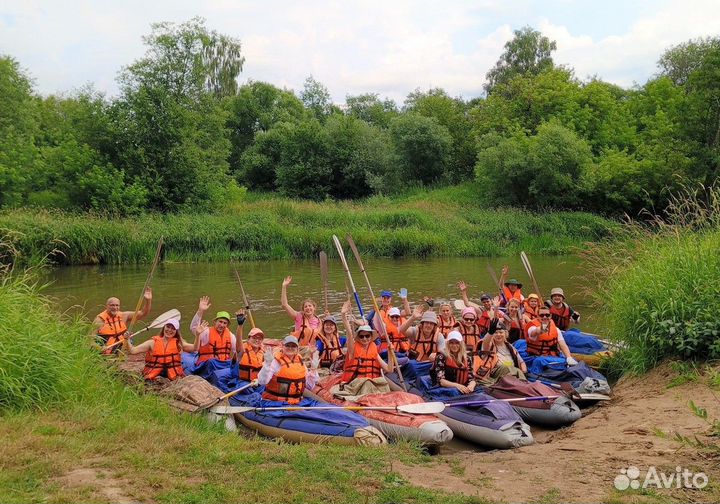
[{"x": 86, "y": 288}]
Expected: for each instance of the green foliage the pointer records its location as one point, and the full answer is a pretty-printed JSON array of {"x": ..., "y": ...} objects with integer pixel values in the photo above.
[
  {"x": 304, "y": 171},
  {"x": 423, "y": 147},
  {"x": 371, "y": 109},
  {"x": 529, "y": 52},
  {"x": 316, "y": 98}
]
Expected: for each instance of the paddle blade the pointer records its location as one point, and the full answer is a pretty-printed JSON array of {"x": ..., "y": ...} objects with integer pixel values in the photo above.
[
  {"x": 230, "y": 410},
  {"x": 161, "y": 319},
  {"x": 592, "y": 396},
  {"x": 460, "y": 305},
  {"x": 427, "y": 408}
]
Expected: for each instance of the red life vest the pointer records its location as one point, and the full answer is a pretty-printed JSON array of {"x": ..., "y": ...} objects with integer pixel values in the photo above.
[
  {"x": 509, "y": 295},
  {"x": 364, "y": 363},
  {"x": 424, "y": 347},
  {"x": 484, "y": 363},
  {"x": 561, "y": 316},
  {"x": 484, "y": 322},
  {"x": 163, "y": 358},
  {"x": 250, "y": 363},
  {"x": 399, "y": 341},
  {"x": 111, "y": 330},
  {"x": 288, "y": 384},
  {"x": 456, "y": 372},
  {"x": 471, "y": 337},
  {"x": 446, "y": 327},
  {"x": 219, "y": 346},
  {"x": 331, "y": 348},
  {"x": 544, "y": 343}
]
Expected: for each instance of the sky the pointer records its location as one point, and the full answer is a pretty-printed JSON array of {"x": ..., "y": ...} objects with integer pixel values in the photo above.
[{"x": 389, "y": 47}]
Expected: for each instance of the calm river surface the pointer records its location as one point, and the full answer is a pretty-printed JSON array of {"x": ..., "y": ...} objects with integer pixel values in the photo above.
[{"x": 85, "y": 288}]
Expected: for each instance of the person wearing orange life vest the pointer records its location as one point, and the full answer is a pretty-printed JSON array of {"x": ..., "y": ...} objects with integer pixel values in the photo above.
[
  {"x": 251, "y": 354},
  {"x": 399, "y": 341},
  {"x": 446, "y": 319},
  {"x": 330, "y": 339},
  {"x": 214, "y": 341},
  {"x": 512, "y": 289},
  {"x": 485, "y": 312},
  {"x": 284, "y": 374},
  {"x": 514, "y": 321},
  {"x": 562, "y": 314},
  {"x": 498, "y": 357},
  {"x": 545, "y": 339},
  {"x": 162, "y": 352},
  {"x": 386, "y": 306},
  {"x": 111, "y": 324},
  {"x": 530, "y": 308},
  {"x": 452, "y": 366},
  {"x": 307, "y": 323},
  {"x": 425, "y": 339},
  {"x": 362, "y": 360}
]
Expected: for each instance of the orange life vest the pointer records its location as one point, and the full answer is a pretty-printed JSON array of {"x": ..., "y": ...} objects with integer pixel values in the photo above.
[
  {"x": 306, "y": 335},
  {"x": 446, "y": 327},
  {"x": 163, "y": 358},
  {"x": 516, "y": 330},
  {"x": 456, "y": 372},
  {"x": 399, "y": 341},
  {"x": 250, "y": 363},
  {"x": 111, "y": 331},
  {"x": 483, "y": 322},
  {"x": 530, "y": 311},
  {"x": 561, "y": 316},
  {"x": 509, "y": 295},
  {"x": 424, "y": 348},
  {"x": 471, "y": 337},
  {"x": 544, "y": 343},
  {"x": 485, "y": 362},
  {"x": 331, "y": 348},
  {"x": 288, "y": 384},
  {"x": 364, "y": 364},
  {"x": 219, "y": 346}
]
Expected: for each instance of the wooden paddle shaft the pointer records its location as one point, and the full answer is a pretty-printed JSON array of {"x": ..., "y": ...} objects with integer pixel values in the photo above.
[
  {"x": 156, "y": 259},
  {"x": 324, "y": 278}
]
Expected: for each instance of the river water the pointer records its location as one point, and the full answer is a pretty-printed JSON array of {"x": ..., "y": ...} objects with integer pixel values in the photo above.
[{"x": 85, "y": 288}]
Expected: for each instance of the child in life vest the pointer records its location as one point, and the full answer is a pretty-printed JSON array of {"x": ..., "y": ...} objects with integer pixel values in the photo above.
[{"x": 284, "y": 374}]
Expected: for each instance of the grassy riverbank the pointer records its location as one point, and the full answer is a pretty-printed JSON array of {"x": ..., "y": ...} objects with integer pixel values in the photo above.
[
  {"x": 72, "y": 432},
  {"x": 442, "y": 222}
]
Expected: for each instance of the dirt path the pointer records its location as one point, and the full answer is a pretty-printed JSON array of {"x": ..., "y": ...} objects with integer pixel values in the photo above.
[{"x": 580, "y": 463}]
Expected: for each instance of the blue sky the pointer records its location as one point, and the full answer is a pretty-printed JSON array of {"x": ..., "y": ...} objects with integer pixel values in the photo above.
[{"x": 389, "y": 47}]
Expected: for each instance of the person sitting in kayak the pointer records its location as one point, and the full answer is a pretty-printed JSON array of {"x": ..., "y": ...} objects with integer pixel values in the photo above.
[
  {"x": 363, "y": 360},
  {"x": 111, "y": 324},
  {"x": 514, "y": 321},
  {"x": 330, "y": 340},
  {"x": 512, "y": 289},
  {"x": 425, "y": 339},
  {"x": 530, "y": 308},
  {"x": 399, "y": 341},
  {"x": 446, "y": 319},
  {"x": 162, "y": 352},
  {"x": 562, "y": 314},
  {"x": 214, "y": 341},
  {"x": 284, "y": 374},
  {"x": 470, "y": 330},
  {"x": 307, "y": 324},
  {"x": 497, "y": 357},
  {"x": 485, "y": 313},
  {"x": 545, "y": 339},
  {"x": 452, "y": 366},
  {"x": 251, "y": 354},
  {"x": 386, "y": 306}
]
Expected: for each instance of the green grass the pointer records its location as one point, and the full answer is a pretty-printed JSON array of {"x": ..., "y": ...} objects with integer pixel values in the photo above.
[
  {"x": 658, "y": 287},
  {"x": 450, "y": 221},
  {"x": 62, "y": 409}
]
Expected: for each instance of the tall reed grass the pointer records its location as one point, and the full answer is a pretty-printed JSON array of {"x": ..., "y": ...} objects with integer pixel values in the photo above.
[
  {"x": 434, "y": 223},
  {"x": 658, "y": 286}
]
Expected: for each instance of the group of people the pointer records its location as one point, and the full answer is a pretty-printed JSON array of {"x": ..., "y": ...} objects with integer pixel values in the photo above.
[{"x": 475, "y": 348}]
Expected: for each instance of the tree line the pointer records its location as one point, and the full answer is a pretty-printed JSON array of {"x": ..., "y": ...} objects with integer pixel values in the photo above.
[{"x": 182, "y": 135}]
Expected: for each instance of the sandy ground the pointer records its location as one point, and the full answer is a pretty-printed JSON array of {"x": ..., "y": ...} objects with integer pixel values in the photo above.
[{"x": 580, "y": 463}]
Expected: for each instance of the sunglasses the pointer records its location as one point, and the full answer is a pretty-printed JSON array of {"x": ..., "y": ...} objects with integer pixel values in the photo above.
[
  {"x": 364, "y": 336},
  {"x": 544, "y": 315},
  {"x": 394, "y": 316},
  {"x": 468, "y": 319}
]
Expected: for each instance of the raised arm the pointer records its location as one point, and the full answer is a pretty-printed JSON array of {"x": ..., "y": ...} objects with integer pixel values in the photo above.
[
  {"x": 240, "y": 317},
  {"x": 350, "y": 335},
  {"x": 416, "y": 315},
  {"x": 142, "y": 347},
  {"x": 284, "y": 300},
  {"x": 406, "y": 307},
  {"x": 462, "y": 286},
  {"x": 147, "y": 295}
]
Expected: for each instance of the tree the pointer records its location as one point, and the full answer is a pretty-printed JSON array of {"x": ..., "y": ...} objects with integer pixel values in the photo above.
[
  {"x": 304, "y": 171},
  {"x": 316, "y": 97},
  {"x": 423, "y": 147},
  {"x": 529, "y": 52},
  {"x": 371, "y": 109},
  {"x": 678, "y": 62}
]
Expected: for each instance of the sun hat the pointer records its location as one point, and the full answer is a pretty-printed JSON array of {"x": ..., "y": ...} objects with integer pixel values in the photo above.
[
  {"x": 534, "y": 296},
  {"x": 290, "y": 340},
  {"x": 173, "y": 322},
  {"x": 255, "y": 331},
  {"x": 363, "y": 328},
  {"x": 557, "y": 290},
  {"x": 429, "y": 316},
  {"x": 512, "y": 281},
  {"x": 222, "y": 314},
  {"x": 394, "y": 311},
  {"x": 469, "y": 310},
  {"x": 454, "y": 336},
  {"x": 330, "y": 318}
]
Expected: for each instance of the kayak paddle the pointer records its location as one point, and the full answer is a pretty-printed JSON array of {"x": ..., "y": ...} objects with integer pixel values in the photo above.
[
  {"x": 227, "y": 396},
  {"x": 245, "y": 299},
  {"x": 155, "y": 324},
  {"x": 528, "y": 269},
  {"x": 343, "y": 260},
  {"x": 427, "y": 408}
]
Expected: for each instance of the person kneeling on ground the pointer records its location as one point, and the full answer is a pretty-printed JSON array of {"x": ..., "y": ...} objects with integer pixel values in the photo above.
[
  {"x": 498, "y": 357},
  {"x": 425, "y": 339},
  {"x": 162, "y": 352},
  {"x": 284, "y": 374},
  {"x": 545, "y": 339},
  {"x": 452, "y": 366}
]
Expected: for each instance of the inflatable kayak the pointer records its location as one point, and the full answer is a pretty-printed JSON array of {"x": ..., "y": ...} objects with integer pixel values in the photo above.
[
  {"x": 586, "y": 347},
  {"x": 427, "y": 429},
  {"x": 309, "y": 426},
  {"x": 494, "y": 425},
  {"x": 551, "y": 413}
]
